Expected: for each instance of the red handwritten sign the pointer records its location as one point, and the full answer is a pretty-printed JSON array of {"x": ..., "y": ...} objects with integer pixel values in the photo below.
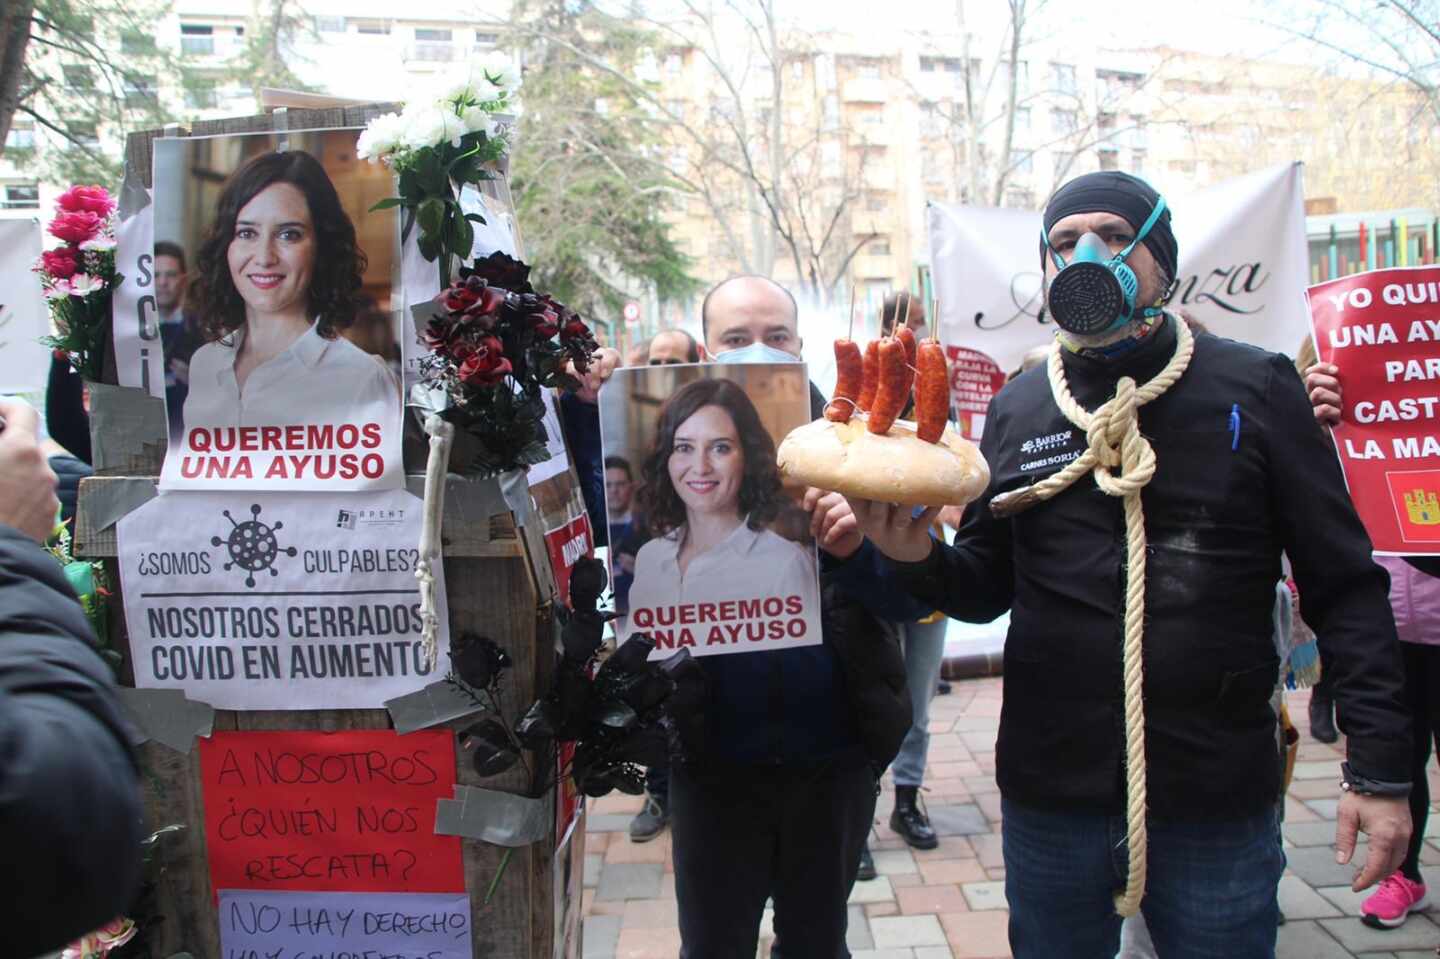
[
  {"x": 349, "y": 811},
  {"x": 566, "y": 544},
  {"x": 1382, "y": 329}
]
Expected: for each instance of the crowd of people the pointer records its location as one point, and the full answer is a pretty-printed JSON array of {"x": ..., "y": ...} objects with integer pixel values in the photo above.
[{"x": 775, "y": 801}]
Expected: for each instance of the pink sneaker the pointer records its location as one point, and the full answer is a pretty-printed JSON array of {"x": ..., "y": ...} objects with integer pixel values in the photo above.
[{"x": 1389, "y": 905}]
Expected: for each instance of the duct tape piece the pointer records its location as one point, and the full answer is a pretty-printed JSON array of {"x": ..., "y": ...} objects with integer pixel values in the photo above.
[
  {"x": 106, "y": 503},
  {"x": 166, "y": 716},
  {"x": 515, "y": 487},
  {"x": 123, "y": 421},
  {"x": 133, "y": 195},
  {"x": 437, "y": 703},
  {"x": 503, "y": 819}
]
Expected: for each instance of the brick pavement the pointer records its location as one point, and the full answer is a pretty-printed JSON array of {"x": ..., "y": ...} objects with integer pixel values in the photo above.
[{"x": 950, "y": 902}]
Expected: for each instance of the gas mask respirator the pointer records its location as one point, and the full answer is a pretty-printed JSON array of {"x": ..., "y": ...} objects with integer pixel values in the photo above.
[{"x": 1094, "y": 293}]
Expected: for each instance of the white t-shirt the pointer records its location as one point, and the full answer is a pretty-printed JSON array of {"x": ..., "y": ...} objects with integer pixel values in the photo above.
[
  {"x": 747, "y": 565},
  {"x": 315, "y": 380}
]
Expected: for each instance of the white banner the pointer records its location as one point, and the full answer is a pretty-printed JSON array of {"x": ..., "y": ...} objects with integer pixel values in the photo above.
[
  {"x": 278, "y": 601},
  {"x": 24, "y": 363},
  {"x": 139, "y": 359},
  {"x": 1243, "y": 273}
]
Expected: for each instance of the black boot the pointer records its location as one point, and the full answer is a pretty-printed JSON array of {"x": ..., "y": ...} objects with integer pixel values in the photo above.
[
  {"x": 1322, "y": 718},
  {"x": 910, "y": 821},
  {"x": 866, "y": 871}
]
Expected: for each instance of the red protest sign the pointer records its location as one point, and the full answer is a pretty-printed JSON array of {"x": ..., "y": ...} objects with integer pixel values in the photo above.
[
  {"x": 1382, "y": 329},
  {"x": 566, "y": 544},
  {"x": 350, "y": 811}
]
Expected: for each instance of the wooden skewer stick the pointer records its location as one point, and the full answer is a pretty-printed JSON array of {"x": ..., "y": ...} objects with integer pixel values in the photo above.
[
  {"x": 906, "y": 322},
  {"x": 851, "y": 335},
  {"x": 934, "y": 321}
]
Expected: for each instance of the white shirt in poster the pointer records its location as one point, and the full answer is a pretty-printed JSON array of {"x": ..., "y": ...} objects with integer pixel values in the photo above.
[
  {"x": 254, "y": 438},
  {"x": 755, "y": 590}
]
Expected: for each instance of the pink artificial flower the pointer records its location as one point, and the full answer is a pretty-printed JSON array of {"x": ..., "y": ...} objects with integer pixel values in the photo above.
[
  {"x": 59, "y": 290},
  {"x": 83, "y": 284},
  {"x": 99, "y": 244},
  {"x": 97, "y": 945},
  {"x": 60, "y": 263},
  {"x": 76, "y": 227},
  {"x": 83, "y": 199}
]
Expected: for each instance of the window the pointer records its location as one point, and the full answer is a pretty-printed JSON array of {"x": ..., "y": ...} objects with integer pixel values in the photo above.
[
  {"x": 1022, "y": 118},
  {"x": 141, "y": 92},
  {"x": 1139, "y": 138},
  {"x": 1109, "y": 159},
  {"x": 77, "y": 77},
  {"x": 879, "y": 247},
  {"x": 21, "y": 135},
  {"x": 22, "y": 196},
  {"x": 797, "y": 70},
  {"x": 876, "y": 204},
  {"x": 373, "y": 27},
  {"x": 136, "y": 43},
  {"x": 941, "y": 64},
  {"x": 673, "y": 64},
  {"x": 330, "y": 24},
  {"x": 1137, "y": 162},
  {"x": 872, "y": 118},
  {"x": 1022, "y": 82},
  {"x": 423, "y": 35},
  {"x": 201, "y": 95},
  {"x": 1020, "y": 199},
  {"x": 870, "y": 69},
  {"x": 1062, "y": 160},
  {"x": 484, "y": 38},
  {"x": 197, "y": 40},
  {"x": 1064, "y": 121},
  {"x": 1021, "y": 161},
  {"x": 1063, "y": 77}
]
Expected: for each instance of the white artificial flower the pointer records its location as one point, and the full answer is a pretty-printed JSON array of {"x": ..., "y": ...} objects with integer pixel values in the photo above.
[
  {"x": 430, "y": 126},
  {"x": 83, "y": 284},
  {"x": 496, "y": 70},
  {"x": 58, "y": 290},
  {"x": 381, "y": 137},
  {"x": 477, "y": 120},
  {"x": 99, "y": 244}
]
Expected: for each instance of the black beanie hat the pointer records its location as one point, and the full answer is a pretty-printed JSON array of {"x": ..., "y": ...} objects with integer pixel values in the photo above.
[{"x": 1110, "y": 191}]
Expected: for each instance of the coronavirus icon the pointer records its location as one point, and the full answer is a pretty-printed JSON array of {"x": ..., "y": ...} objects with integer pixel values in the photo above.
[{"x": 252, "y": 545}]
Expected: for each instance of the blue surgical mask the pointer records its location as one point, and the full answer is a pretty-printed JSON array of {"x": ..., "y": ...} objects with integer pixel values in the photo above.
[
  {"x": 1095, "y": 292},
  {"x": 756, "y": 353}
]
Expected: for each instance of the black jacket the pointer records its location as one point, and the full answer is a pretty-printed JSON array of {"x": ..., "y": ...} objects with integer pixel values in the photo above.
[
  {"x": 70, "y": 814},
  {"x": 1218, "y": 513}
]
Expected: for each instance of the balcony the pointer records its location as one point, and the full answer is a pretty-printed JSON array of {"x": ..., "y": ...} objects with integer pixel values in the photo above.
[
  {"x": 432, "y": 52},
  {"x": 864, "y": 90}
]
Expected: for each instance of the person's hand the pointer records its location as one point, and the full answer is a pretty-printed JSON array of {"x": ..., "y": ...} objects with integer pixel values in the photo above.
[
  {"x": 832, "y": 523},
  {"x": 626, "y": 562},
  {"x": 894, "y": 531},
  {"x": 1322, "y": 381},
  {"x": 1387, "y": 823},
  {"x": 27, "y": 484},
  {"x": 181, "y": 369},
  {"x": 952, "y": 515},
  {"x": 602, "y": 365}
]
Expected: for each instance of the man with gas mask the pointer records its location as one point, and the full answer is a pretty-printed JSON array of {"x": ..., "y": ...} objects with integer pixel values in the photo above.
[{"x": 1144, "y": 483}]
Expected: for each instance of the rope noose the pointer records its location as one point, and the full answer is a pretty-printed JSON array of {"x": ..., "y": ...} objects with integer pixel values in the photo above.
[{"x": 1113, "y": 432}]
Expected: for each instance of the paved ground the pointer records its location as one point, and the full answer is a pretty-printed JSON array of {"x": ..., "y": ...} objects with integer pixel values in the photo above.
[{"x": 950, "y": 902}]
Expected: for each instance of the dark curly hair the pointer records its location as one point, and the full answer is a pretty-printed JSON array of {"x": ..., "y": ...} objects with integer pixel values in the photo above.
[
  {"x": 334, "y": 295},
  {"x": 760, "y": 495}
]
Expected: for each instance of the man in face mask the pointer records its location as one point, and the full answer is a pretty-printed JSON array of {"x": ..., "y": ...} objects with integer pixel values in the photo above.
[{"x": 1144, "y": 483}]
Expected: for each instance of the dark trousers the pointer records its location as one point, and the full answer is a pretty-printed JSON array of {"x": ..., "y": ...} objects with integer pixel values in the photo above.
[
  {"x": 1422, "y": 695},
  {"x": 742, "y": 834},
  {"x": 657, "y": 784}
]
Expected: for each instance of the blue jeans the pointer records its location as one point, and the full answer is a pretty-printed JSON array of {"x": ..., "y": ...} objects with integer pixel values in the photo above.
[
  {"x": 924, "y": 649},
  {"x": 1210, "y": 889}
]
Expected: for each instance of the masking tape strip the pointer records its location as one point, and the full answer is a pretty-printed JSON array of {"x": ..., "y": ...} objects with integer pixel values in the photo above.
[
  {"x": 503, "y": 819},
  {"x": 123, "y": 420},
  {"x": 108, "y": 502},
  {"x": 437, "y": 703},
  {"x": 167, "y": 717}
]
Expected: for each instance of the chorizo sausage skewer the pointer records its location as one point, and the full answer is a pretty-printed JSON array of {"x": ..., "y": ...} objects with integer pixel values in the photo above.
[
  {"x": 870, "y": 376},
  {"x": 932, "y": 392},
  {"x": 849, "y": 377},
  {"x": 891, "y": 393}
]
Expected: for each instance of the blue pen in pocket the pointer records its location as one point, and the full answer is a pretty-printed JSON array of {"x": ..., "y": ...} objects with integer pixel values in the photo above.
[{"x": 1235, "y": 427}]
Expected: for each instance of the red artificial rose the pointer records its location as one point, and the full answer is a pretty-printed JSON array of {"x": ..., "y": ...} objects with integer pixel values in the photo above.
[
  {"x": 61, "y": 263},
  {"x": 485, "y": 364},
  {"x": 87, "y": 199},
  {"x": 546, "y": 323},
  {"x": 76, "y": 227},
  {"x": 575, "y": 329},
  {"x": 473, "y": 299}
]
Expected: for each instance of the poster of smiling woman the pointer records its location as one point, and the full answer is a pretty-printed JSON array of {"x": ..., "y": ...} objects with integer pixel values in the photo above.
[
  {"x": 282, "y": 347},
  {"x": 721, "y": 552}
]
